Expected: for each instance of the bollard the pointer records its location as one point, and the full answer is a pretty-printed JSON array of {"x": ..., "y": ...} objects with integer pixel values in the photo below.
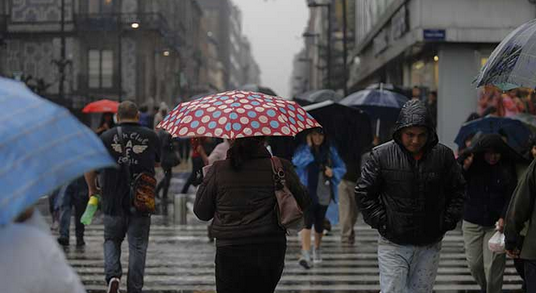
[{"x": 180, "y": 211}]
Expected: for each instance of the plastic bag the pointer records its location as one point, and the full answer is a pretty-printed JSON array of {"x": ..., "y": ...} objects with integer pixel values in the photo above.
[{"x": 496, "y": 243}]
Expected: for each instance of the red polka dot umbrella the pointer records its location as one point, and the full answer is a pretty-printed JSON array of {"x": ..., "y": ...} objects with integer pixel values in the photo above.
[{"x": 237, "y": 114}]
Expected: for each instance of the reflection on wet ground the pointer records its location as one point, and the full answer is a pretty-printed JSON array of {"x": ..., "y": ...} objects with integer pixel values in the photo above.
[{"x": 181, "y": 259}]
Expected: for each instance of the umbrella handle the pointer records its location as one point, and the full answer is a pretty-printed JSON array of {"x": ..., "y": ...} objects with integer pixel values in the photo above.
[{"x": 378, "y": 122}]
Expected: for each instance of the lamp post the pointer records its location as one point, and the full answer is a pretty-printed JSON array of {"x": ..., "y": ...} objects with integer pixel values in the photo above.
[
  {"x": 134, "y": 25},
  {"x": 328, "y": 6},
  {"x": 62, "y": 62},
  {"x": 344, "y": 48}
]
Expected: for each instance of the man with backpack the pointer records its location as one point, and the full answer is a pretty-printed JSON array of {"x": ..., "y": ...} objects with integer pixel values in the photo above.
[{"x": 127, "y": 195}]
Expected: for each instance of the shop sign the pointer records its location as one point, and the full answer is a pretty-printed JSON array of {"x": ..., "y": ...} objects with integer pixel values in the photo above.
[{"x": 434, "y": 34}]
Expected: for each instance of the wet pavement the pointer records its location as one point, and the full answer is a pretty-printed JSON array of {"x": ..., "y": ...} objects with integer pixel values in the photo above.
[{"x": 181, "y": 259}]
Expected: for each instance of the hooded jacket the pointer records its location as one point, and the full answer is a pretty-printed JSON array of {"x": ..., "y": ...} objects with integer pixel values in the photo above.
[
  {"x": 489, "y": 188},
  {"x": 411, "y": 201}
]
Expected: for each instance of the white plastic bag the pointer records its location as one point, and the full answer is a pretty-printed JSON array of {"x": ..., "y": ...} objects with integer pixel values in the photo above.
[{"x": 496, "y": 243}]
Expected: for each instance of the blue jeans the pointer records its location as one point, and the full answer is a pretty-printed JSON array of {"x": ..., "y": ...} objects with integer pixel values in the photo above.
[
  {"x": 407, "y": 268},
  {"x": 79, "y": 202},
  {"x": 136, "y": 227}
]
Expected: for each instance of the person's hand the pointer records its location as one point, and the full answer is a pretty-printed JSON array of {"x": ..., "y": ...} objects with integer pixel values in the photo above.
[
  {"x": 468, "y": 162},
  {"x": 328, "y": 172},
  {"x": 513, "y": 253},
  {"x": 93, "y": 191},
  {"x": 500, "y": 225},
  {"x": 309, "y": 140}
]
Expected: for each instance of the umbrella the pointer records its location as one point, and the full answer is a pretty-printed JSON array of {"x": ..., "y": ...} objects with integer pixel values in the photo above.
[
  {"x": 101, "y": 106},
  {"x": 257, "y": 88},
  {"x": 517, "y": 133},
  {"x": 42, "y": 146},
  {"x": 236, "y": 114},
  {"x": 348, "y": 128},
  {"x": 527, "y": 119},
  {"x": 317, "y": 96},
  {"x": 512, "y": 64}
]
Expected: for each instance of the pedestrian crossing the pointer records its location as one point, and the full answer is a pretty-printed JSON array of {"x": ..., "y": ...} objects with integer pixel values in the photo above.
[{"x": 181, "y": 259}]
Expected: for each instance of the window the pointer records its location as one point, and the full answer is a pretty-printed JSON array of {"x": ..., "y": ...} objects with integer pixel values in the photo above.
[{"x": 100, "y": 68}]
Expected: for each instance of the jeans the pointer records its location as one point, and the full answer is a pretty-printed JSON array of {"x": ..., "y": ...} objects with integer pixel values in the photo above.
[
  {"x": 136, "y": 227},
  {"x": 79, "y": 202},
  {"x": 347, "y": 210},
  {"x": 486, "y": 267},
  {"x": 530, "y": 275},
  {"x": 407, "y": 268},
  {"x": 249, "y": 268}
]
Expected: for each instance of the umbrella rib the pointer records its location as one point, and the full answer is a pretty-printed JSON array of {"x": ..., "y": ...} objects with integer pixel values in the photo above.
[
  {"x": 72, "y": 161},
  {"x": 41, "y": 149},
  {"x": 64, "y": 114}
]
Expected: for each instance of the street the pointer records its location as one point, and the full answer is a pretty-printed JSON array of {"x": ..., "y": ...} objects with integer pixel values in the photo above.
[{"x": 181, "y": 259}]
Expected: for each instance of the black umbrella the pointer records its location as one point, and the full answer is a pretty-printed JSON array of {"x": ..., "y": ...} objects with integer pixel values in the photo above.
[
  {"x": 257, "y": 88},
  {"x": 317, "y": 96},
  {"x": 348, "y": 128}
]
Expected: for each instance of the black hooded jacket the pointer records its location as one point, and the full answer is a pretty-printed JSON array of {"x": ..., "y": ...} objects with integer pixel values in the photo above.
[
  {"x": 489, "y": 188},
  {"x": 411, "y": 201}
]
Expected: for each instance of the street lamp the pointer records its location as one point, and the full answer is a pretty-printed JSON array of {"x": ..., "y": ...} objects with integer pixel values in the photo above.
[
  {"x": 166, "y": 53},
  {"x": 328, "y": 6},
  {"x": 134, "y": 25}
]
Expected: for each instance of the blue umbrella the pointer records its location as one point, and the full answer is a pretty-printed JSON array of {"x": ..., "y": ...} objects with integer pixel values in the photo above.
[
  {"x": 517, "y": 133},
  {"x": 513, "y": 63},
  {"x": 317, "y": 96},
  {"x": 42, "y": 146},
  {"x": 380, "y": 104}
]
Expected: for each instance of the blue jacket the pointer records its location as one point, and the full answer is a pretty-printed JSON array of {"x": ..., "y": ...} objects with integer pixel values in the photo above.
[{"x": 303, "y": 157}]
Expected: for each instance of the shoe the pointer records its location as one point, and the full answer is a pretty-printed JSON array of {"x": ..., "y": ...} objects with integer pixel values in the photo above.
[
  {"x": 305, "y": 260},
  {"x": 63, "y": 241},
  {"x": 317, "y": 258},
  {"x": 113, "y": 286},
  {"x": 80, "y": 242}
]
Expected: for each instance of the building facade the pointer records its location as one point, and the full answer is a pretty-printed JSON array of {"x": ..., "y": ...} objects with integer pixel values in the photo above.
[{"x": 433, "y": 44}]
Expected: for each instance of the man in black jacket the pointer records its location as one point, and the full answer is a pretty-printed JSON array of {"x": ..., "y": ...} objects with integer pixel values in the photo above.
[{"x": 411, "y": 190}]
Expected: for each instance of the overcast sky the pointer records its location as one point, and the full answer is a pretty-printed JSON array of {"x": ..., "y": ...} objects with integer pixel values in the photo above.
[{"x": 274, "y": 28}]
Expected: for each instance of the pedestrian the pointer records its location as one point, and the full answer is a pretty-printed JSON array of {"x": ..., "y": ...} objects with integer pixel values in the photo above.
[
  {"x": 431, "y": 104},
  {"x": 199, "y": 160},
  {"x": 161, "y": 114},
  {"x": 411, "y": 190},
  {"x": 320, "y": 169},
  {"x": 32, "y": 261},
  {"x": 416, "y": 93},
  {"x": 220, "y": 151},
  {"x": 348, "y": 211},
  {"x": 141, "y": 153},
  {"x": 238, "y": 195},
  {"x": 489, "y": 169},
  {"x": 520, "y": 228},
  {"x": 170, "y": 159},
  {"x": 107, "y": 122},
  {"x": 145, "y": 117},
  {"x": 74, "y": 196}
]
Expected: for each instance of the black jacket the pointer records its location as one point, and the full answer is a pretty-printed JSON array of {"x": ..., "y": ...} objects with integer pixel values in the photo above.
[
  {"x": 409, "y": 201},
  {"x": 489, "y": 188},
  {"x": 242, "y": 203}
]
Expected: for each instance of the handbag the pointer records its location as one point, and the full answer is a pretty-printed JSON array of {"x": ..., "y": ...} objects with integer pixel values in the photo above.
[
  {"x": 142, "y": 186},
  {"x": 289, "y": 213}
]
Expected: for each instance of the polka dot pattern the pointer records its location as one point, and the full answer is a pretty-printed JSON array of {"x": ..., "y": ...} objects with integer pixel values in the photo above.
[{"x": 236, "y": 114}]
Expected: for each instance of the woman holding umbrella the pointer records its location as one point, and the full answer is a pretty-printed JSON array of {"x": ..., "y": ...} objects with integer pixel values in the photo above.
[
  {"x": 320, "y": 169},
  {"x": 238, "y": 193},
  {"x": 489, "y": 168}
]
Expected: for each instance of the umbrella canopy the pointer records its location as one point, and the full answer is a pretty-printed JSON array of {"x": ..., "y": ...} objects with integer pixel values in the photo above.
[
  {"x": 101, "y": 106},
  {"x": 379, "y": 104},
  {"x": 348, "y": 128},
  {"x": 317, "y": 96},
  {"x": 527, "y": 119},
  {"x": 511, "y": 64},
  {"x": 237, "y": 114},
  {"x": 517, "y": 133},
  {"x": 42, "y": 146}
]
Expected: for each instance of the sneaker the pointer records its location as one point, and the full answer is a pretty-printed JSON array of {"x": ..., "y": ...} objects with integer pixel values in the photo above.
[
  {"x": 317, "y": 258},
  {"x": 305, "y": 260},
  {"x": 113, "y": 286},
  {"x": 63, "y": 241}
]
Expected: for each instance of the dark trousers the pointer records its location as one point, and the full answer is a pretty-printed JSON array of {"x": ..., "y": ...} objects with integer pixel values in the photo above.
[
  {"x": 530, "y": 275},
  {"x": 315, "y": 217},
  {"x": 79, "y": 203},
  {"x": 164, "y": 183},
  {"x": 136, "y": 227},
  {"x": 197, "y": 164},
  {"x": 249, "y": 268}
]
